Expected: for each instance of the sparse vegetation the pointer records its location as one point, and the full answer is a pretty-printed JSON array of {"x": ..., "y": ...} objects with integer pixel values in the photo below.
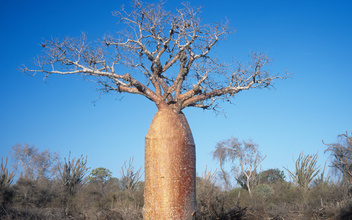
[
  {"x": 63, "y": 190},
  {"x": 99, "y": 195}
]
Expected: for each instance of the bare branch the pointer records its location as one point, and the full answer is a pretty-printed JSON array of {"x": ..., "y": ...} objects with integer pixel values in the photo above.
[
  {"x": 244, "y": 78},
  {"x": 171, "y": 51}
]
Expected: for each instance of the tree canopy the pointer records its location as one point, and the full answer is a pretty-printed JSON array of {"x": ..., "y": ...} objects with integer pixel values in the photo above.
[
  {"x": 100, "y": 174},
  {"x": 161, "y": 55}
]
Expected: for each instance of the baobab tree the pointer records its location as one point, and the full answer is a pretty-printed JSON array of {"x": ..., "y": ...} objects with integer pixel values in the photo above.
[{"x": 165, "y": 57}]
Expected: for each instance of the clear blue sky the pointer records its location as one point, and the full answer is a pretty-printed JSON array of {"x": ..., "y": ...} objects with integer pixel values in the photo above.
[{"x": 312, "y": 39}]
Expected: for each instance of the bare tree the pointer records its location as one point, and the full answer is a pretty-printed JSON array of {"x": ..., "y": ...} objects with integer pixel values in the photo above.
[
  {"x": 341, "y": 153},
  {"x": 35, "y": 164},
  {"x": 165, "y": 57},
  {"x": 248, "y": 156},
  {"x": 306, "y": 170},
  {"x": 222, "y": 154}
]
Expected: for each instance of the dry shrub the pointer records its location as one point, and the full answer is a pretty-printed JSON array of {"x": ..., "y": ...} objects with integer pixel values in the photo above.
[
  {"x": 6, "y": 196},
  {"x": 130, "y": 211},
  {"x": 324, "y": 195},
  {"x": 212, "y": 203},
  {"x": 275, "y": 201},
  {"x": 110, "y": 215},
  {"x": 33, "y": 213},
  {"x": 34, "y": 193}
]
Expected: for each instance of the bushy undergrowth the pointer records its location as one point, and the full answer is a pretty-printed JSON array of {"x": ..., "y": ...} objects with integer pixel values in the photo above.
[
  {"x": 101, "y": 196},
  {"x": 286, "y": 201},
  {"x": 47, "y": 199},
  {"x": 44, "y": 199}
]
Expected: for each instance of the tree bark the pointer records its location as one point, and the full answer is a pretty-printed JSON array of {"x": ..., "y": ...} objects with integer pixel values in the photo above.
[{"x": 170, "y": 168}]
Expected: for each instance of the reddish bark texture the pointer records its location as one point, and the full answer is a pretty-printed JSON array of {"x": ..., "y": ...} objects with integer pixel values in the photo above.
[{"x": 170, "y": 168}]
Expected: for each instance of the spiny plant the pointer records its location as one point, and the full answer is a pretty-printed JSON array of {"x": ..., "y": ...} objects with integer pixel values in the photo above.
[
  {"x": 72, "y": 173},
  {"x": 6, "y": 177},
  {"x": 306, "y": 170}
]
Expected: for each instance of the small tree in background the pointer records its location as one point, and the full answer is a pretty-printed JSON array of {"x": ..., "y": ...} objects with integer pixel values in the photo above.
[
  {"x": 306, "y": 170},
  {"x": 271, "y": 176},
  {"x": 36, "y": 165},
  {"x": 341, "y": 153},
  {"x": 222, "y": 155},
  {"x": 248, "y": 156},
  {"x": 34, "y": 188},
  {"x": 100, "y": 174}
]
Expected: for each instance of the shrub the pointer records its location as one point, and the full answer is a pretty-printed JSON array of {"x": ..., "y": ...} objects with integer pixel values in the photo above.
[{"x": 264, "y": 190}]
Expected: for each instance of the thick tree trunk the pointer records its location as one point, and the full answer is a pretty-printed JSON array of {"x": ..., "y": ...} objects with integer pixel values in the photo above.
[{"x": 170, "y": 168}]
